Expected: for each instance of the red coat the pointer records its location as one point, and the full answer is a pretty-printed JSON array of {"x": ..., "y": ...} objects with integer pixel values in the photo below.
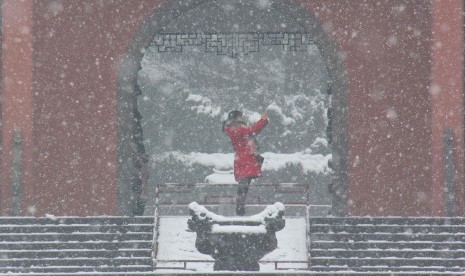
[{"x": 245, "y": 158}]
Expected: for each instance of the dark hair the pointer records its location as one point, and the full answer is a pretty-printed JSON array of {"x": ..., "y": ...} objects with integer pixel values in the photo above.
[
  {"x": 223, "y": 125},
  {"x": 232, "y": 115}
]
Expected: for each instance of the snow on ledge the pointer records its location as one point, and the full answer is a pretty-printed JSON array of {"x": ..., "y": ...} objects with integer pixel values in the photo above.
[
  {"x": 271, "y": 211},
  {"x": 221, "y": 177},
  {"x": 317, "y": 163},
  {"x": 260, "y": 229}
]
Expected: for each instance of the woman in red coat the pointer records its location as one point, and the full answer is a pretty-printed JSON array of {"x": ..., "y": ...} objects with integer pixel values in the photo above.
[{"x": 247, "y": 160}]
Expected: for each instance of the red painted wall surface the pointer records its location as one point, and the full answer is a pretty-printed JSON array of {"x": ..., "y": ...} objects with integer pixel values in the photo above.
[
  {"x": 386, "y": 50},
  {"x": 78, "y": 47}
]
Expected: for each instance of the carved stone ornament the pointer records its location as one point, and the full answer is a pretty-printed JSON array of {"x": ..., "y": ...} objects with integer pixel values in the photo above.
[{"x": 236, "y": 243}]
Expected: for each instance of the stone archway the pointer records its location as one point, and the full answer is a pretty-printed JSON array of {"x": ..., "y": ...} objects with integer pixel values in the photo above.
[{"x": 130, "y": 146}]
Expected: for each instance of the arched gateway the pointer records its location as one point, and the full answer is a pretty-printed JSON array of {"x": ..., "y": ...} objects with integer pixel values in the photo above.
[
  {"x": 71, "y": 68},
  {"x": 193, "y": 61}
]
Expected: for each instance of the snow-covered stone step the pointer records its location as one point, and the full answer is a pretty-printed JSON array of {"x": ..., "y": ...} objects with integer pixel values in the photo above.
[
  {"x": 98, "y": 220},
  {"x": 74, "y": 270},
  {"x": 387, "y": 262},
  {"x": 387, "y": 220},
  {"x": 90, "y": 261},
  {"x": 386, "y": 244},
  {"x": 388, "y": 253},
  {"x": 325, "y": 228},
  {"x": 87, "y": 245},
  {"x": 75, "y": 228},
  {"x": 73, "y": 244},
  {"x": 387, "y": 270},
  {"x": 76, "y": 253},
  {"x": 394, "y": 237},
  {"x": 78, "y": 237}
]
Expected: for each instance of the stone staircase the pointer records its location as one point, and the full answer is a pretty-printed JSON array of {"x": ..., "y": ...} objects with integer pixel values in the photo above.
[
  {"x": 124, "y": 245},
  {"x": 51, "y": 245},
  {"x": 390, "y": 244}
]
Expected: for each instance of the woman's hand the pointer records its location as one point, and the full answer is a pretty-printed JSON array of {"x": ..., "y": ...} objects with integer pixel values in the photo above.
[{"x": 265, "y": 115}]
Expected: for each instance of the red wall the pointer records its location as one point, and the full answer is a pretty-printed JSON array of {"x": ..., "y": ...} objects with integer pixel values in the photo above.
[
  {"x": 78, "y": 46},
  {"x": 68, "y": 108},
  {"x": 395, "y": 127}
]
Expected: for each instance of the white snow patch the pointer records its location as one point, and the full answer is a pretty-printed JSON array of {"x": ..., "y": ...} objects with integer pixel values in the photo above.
[
  {"x": 221, "y": 177},
  {"x": 52, "y": 217},
  {"x": 205, "y": 106},
  {"x": 219, "y": 161},
  {"x": 271, "y": 211},
  {"x": 277, "y": 110},
  {"x": 252, "y": 116},
  {"x": 317, "y": 163},
  {"x": 260, "y": 229},
  {"x": 320, "y": 141}
]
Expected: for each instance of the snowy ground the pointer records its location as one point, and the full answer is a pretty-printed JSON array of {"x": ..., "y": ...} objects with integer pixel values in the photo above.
[{"x": 177, "y": 243}]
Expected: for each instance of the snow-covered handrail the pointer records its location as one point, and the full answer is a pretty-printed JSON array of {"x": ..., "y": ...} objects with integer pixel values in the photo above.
[
  {"x": 155, "y": 230},
  {"x": 308, "y": 237},
  {"x": 301, "y": 192}
]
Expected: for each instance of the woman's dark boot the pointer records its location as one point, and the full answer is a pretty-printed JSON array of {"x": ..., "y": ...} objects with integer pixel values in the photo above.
[{"x": 240, "y": 201}]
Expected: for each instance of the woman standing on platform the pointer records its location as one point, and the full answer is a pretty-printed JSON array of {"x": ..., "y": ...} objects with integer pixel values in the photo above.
[{"x": 247, "y": 160}]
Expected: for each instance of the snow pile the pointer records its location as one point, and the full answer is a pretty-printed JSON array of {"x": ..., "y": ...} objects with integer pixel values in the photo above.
[
  {"x": 259, "y": 229},
  {"x": 205, "y": 105},
  {"x": 201, "y": 212},
  {"x": 219, "y": 161},
  {"x": 263, "y": 222},
  {"x": 51, "y": 217},
  {"x": 286, "y": 121},
  {"x": 271, "y": 211},
  {"x": 317, "y": 163},
  {"x": 221, "y": 177}
]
